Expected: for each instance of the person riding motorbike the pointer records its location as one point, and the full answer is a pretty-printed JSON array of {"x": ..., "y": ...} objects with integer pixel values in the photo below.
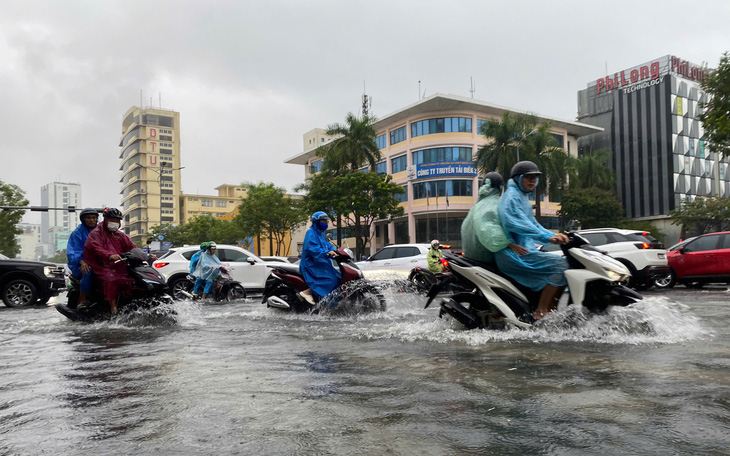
[
  {"x": 481, "y": 231},
  {"x": 208, "y": 268},
  {"x": 199, "y": 283},
  {"x": 433, "y": 257},
  {"x": 534, "y": 269},
  {"x": 102, "y": 251},
  {"x": 315, "y": 266},
  {"x": 75, "y": 251}
]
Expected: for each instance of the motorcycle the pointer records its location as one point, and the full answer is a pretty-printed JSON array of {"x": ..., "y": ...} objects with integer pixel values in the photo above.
[
  {"x": 423, "y": 279},
  {"x": 286, "y": 282},
  {"x": 148, "y": 291},
  {"x": 226, "y": 288},
  {"x": 594, "y": 280}
]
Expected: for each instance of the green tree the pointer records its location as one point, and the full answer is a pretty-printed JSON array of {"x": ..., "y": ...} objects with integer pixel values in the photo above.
[
  {"x": 593, "y": 207},
  {"x": 507, "y": 136},
  {"x": 361, "y": 197},
  {"x": 197, "y": 230},
  {"x": 59, "y": 258},
  {"x": 715, "y": 113},
  {"x": 269, "y": 212},
  {"x": 703, "y": 215},
  {"x": 541, "y": 147},
  {"x": 592, "y": 170},
  {"x": 10, "y": 195}
]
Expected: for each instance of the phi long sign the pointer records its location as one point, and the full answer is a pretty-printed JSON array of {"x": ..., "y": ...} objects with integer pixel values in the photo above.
[{"x": 650, "y": 74}]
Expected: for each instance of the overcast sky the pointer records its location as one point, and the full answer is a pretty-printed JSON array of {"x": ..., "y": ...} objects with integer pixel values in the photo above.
[{"x": 250, "y": 78}]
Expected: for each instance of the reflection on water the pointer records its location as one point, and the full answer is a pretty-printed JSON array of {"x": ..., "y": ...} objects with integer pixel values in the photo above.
[{"x": 244, "y": 379}]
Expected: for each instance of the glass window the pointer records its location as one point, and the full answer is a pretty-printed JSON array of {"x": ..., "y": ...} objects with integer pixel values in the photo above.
[
  {"x": 402, "y": 197},
  {"x": 404, "y": 252},
  {"x": 725, "y": 244},
  {"x": 399, "y": 164},
  {"x": 398, "y": 135},
  {"x": 187, "y": 255},
  {"x": 381, "y": 168},
  {"x": 441, "y": 125},
  {"x": 315, "y": 167},
  {"x": 380, "y": 141},
  {"x": 441, "y": 154},
  {"x": 597, "y": 238},
  {"x": 232, "y": 255},
  {"x": 384, "y": 254},
  {"x": 703, "y": 243}
]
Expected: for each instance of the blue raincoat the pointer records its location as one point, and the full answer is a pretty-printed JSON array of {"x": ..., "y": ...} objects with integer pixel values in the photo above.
[
  {"x": 208, "y": 267},
  {"x": 194, "y": 262},
  {"x": 316, "y": 267},
  {"x": 481, "y": 231},
  {"x": 534, "y": 269},
  {"x": 75, "y": 253}
]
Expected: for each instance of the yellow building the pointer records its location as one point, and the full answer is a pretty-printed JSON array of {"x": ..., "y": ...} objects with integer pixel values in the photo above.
[
  {"x": 150, "y": 169},
  {"x": 223, "y": 207}
]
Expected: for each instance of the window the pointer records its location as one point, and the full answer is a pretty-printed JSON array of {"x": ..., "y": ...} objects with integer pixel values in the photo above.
[
  {"x": 597, "y": 238},
  {"x": 315, "y": 167},
  {"x": 380, "y": 141},
  {"x": 232, "y": 255},
  {"x": 442, "y": 188},
  {"x": 221, "y": 204},
  {"x": 442, "y": 154},
  {"x": 481, "y": 125},
  {"x": 206, "y": 203},
  {"x": 399, "y": 164},
  {"x": 441, "y": 125},
  {"x": 703, "y": 243},
  {"x": 381, "y": 168},
  {"x": 560, "y": 139},
  {"x": 404, "y": 252},
  {"x": 398, "y": 135},
  {"x": 322, "y": 139},
  {"x": 385, "y": 254},
  {"x": 725, "y": 244},
  {"x": 165, "y": 138},
  {"x": 188, "y": 255},
  {"x": 402, "y": 197},
  {"x": 166, "y": 151}
]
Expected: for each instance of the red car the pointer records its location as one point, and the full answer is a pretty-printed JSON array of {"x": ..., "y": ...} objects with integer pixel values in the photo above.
[{"x": 704, "y": 259}]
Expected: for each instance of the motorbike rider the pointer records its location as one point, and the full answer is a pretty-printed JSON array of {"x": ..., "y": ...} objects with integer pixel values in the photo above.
[
  {"x": 102, "y": 250},
  {"x": 535, "y": 270},
  {"x": 434, "y": 256},
  {"x": 75, "y": 251},
  {"x": 194, "y": 264},
  {"x": 315, "y": 266},
  {"x": 208, "y": 268},
  {"x": 481, "y": 231}
]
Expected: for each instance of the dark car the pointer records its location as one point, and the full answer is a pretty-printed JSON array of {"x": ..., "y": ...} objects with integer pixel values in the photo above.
[
  {"x": 704, "y": 259},
  {"x": 24, "y": 283}
]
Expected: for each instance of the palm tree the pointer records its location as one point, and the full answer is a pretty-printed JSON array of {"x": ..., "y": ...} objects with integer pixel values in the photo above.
[
  {"x": 593, "y": 171},
  {"x": 507, "y": 136},
  {"x": 541, "y": 147},
  {"x": 354, "y": 148}
]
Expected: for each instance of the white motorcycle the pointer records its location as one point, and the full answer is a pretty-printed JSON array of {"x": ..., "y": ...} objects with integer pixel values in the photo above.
[{"x": 594, "y": 281}]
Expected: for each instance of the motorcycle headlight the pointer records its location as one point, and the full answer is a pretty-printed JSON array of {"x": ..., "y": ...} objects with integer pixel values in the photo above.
[{"x": 615, "y": 276}]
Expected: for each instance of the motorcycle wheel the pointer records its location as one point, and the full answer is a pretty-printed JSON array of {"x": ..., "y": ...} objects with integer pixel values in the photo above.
[
  {"x": 371, "y": 300},
  {"x": 422, "y": 284},
  {"x": 235, "y": 292}
]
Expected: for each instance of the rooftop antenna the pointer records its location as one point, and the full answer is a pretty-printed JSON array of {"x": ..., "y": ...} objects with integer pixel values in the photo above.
[
  {"x": 472, "y": 86},
  {"x": 419, "y": 89},
  {"x": 366, "y": 101}
]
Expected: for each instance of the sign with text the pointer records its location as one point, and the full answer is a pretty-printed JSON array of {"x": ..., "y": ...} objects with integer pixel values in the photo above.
[{"x": 442, "y": 169}]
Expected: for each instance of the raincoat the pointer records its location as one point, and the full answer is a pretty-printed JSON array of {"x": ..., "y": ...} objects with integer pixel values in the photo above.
[
  {"x": 316, "y": 267},
  {"x": 75, "y": 253},
  {"x": 434, "y": 260},
  {"x": 481, "y": 231},
  {"x": 534, "y": 269},
  {"x": 208, "y": 267},
  {"x": 100, "y": 245},
  {"x": 194, "y": 262}
]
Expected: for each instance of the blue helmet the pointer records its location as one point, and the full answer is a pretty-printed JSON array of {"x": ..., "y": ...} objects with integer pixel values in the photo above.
[{"x": 319, "y": 215}]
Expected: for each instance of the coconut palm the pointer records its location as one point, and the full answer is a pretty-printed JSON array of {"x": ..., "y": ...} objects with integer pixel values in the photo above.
[
  {"x": 507, "y": 136},
  {"x": 592, "y": 170},
  {"x": 542, "y": 148}
]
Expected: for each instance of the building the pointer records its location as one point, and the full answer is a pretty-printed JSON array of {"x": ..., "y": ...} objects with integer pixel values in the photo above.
[
  {"x": 650, "y": 116},
  {"x": 223, "y": 207},
  {"x": 29, "y": 241},
  {"x": 430, "y": 147},
  {"x": 150, "y": 170},
  {"x": 58, "y": 224}
]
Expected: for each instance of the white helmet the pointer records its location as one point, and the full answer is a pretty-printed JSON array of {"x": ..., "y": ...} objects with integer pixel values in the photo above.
[{"x": 435, "y": 243}]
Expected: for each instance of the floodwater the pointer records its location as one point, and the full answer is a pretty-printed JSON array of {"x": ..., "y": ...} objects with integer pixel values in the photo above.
[{"x": 242, "y": 379}]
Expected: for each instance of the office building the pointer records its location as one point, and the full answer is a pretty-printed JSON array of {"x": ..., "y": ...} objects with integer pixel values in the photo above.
[
  {"x": 150, "y": 170},
  {"x": 57, "y": 225},
  {"x": 650, "y": 116},
  {"x": 430, "y": 148}
]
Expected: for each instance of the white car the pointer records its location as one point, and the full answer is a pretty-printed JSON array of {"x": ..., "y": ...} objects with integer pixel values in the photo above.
[
  {"x": 645, "y": 256},
  {"x": 243, "y": 266},
  {"x": 398, "y": 257}
]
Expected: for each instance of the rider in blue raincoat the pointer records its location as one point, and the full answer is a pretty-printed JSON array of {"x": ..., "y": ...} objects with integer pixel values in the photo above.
[
  {"x": 316, "y": 265},
  {"x": 481, "y": 230},
  {"x": 199, "y": 283},
  {"x": 208, "y": 268},
  {"x": 535, "y": 270},
  {"x": 75, "y": 250}
]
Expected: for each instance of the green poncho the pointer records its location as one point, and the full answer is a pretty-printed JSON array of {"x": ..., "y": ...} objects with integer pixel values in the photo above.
[{"x": 481, "y": 231}]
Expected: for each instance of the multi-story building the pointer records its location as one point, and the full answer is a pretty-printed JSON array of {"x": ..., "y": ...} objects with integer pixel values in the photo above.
[
  {"x": 57, "y": 224},
  {"x": 29, "y": 241},
  {"x": 430, "y": 148},
  {"x": 223, "y": 207},
  {"x": 650, "y": 116},
  {"x": 150, "y": 169}
]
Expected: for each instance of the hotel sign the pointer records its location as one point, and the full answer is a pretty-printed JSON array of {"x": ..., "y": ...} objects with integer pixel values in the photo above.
[
  {"x": 441, "y": 170},
  {"x": 649, "y": 74}
]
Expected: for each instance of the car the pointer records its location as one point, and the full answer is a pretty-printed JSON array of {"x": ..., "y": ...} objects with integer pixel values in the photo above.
[
  {"x": 243, "y": 266},
  {"x": 24, "y": 282},
  {"x": 277, "y": 259},
  {"x": 398, "y": 257},
  {"x": 667, "y": 281},
  {"x": 699, "y": 260}
]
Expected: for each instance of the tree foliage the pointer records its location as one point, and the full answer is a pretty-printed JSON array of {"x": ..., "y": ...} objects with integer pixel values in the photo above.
[
  {"x": 197, "y": 230},
  {"x": 10, "y": 195},
  {"x": 716, "y": 111},
  {"x": 592, "y": 170},
  {"x": 355, "y": 146},
  {"x": 362, "y": 197},
  {"x": 269, "y": 212},
  {"x": 593, "y": 207},
  {"x": 703, "y": 215},
  {"x": 59, "y": 258}
]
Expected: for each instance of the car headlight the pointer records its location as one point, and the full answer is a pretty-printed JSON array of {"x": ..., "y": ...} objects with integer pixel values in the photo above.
[{"x": 48, "y": 271}]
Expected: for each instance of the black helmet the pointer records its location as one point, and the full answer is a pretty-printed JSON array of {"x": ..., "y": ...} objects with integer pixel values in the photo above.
[
  {"x": 525, "y": 167},
  {"x": 87, "y": 211},
  {"x": 113, "y": 212},
  {"x": 495, "y": 179}
]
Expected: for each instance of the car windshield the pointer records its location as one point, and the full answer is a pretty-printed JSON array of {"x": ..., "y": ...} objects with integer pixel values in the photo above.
[
  {"x": 167, "y": 254},
  {"x": 3, "y": 257}
]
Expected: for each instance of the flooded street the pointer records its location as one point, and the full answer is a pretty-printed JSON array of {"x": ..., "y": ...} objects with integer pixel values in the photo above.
[{"x": 243, "y": 379}]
